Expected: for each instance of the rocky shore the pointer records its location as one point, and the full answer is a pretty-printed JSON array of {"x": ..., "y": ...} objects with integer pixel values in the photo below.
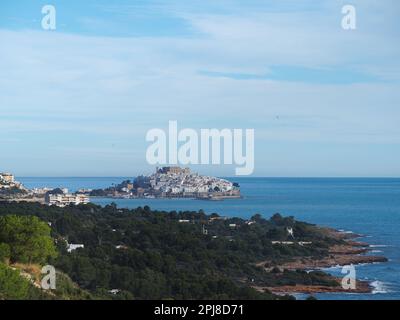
[
  {"x": 361, "y": 287},
  {"x": 350, "y": 253}
]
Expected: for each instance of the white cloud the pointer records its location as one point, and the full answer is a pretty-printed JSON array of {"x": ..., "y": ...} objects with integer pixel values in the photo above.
[{"x": 120, "y": 87}]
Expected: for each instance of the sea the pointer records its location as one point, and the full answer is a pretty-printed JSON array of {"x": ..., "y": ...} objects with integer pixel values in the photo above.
[{"x": 366, "y": 206}]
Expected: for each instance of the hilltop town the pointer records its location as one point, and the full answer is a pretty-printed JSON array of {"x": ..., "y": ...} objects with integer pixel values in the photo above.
[
  {"x": 166, "y": 182},
  {"x": 173, "y": 182}
]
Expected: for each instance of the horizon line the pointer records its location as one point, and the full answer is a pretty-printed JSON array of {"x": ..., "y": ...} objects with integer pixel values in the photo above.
[{"x": 231, "y": 177}]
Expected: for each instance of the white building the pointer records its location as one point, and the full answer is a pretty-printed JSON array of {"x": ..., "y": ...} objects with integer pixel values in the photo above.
[
  {"x": 114, "y": 291},
  {"x": 7, "y": 177},
  {"x": 71, "y": 247},
  {"x": 40, "y": 191},
  {"x": 62, "y": 200}
]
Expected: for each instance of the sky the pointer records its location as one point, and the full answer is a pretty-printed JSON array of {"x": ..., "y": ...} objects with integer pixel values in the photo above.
[{"x": 79, "y": 100}]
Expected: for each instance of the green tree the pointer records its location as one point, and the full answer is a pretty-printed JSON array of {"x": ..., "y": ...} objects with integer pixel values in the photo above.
[
  {"x": 5, "y": 252},
  {"x": 28, "y": 238},
  {"x": 12, "y": 285}
]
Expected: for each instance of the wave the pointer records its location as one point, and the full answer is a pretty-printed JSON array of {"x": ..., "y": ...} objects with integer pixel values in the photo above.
[
  {"x": 332, "y": 268},
  {"x": 379, "y": 287},
  {"x": 376, "y": 251},
  {"x": 345, "y": 231},
  {"x": 378, "y": 246}
]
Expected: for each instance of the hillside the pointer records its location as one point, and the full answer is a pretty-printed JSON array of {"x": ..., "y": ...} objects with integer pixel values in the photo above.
[{"x": 145, "y": 254}]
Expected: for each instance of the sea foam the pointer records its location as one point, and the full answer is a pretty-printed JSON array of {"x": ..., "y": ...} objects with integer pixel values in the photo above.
[{"x": 379, "y": 287}]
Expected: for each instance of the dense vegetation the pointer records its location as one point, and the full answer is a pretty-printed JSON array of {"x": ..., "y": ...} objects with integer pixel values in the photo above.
[
  {"x": 147, "y": 254},
  {"x": 12, "y": 285},
  {"x": 25, "y": 239}
]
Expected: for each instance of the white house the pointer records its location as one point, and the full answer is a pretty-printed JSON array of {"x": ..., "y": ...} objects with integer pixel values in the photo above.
[{"x": 71, "y": 247}]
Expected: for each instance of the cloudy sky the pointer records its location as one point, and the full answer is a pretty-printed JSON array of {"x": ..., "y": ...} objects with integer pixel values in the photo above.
[{"x": 78, "y": 101}]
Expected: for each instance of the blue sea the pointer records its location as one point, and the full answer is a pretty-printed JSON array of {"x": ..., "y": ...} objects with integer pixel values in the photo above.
[{"x": 370, "y": 207}]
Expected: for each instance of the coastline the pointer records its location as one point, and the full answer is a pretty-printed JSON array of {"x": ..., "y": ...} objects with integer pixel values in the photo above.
[
  {"x": 351, "y": 253},
  {"x": 265, "y": 195},
  {"x": 338, "y": 248}
]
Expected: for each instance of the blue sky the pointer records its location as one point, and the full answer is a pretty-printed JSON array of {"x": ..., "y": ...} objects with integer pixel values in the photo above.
[{"x": 79, "y": 100}]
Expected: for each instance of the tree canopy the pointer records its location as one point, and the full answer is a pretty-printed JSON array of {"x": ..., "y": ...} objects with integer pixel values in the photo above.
[
  {"x": 148, "y": 254},
  {"x": 26, "y": 239}
]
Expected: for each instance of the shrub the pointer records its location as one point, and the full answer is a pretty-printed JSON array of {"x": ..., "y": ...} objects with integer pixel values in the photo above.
[{"x": 5, "y": 252}]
